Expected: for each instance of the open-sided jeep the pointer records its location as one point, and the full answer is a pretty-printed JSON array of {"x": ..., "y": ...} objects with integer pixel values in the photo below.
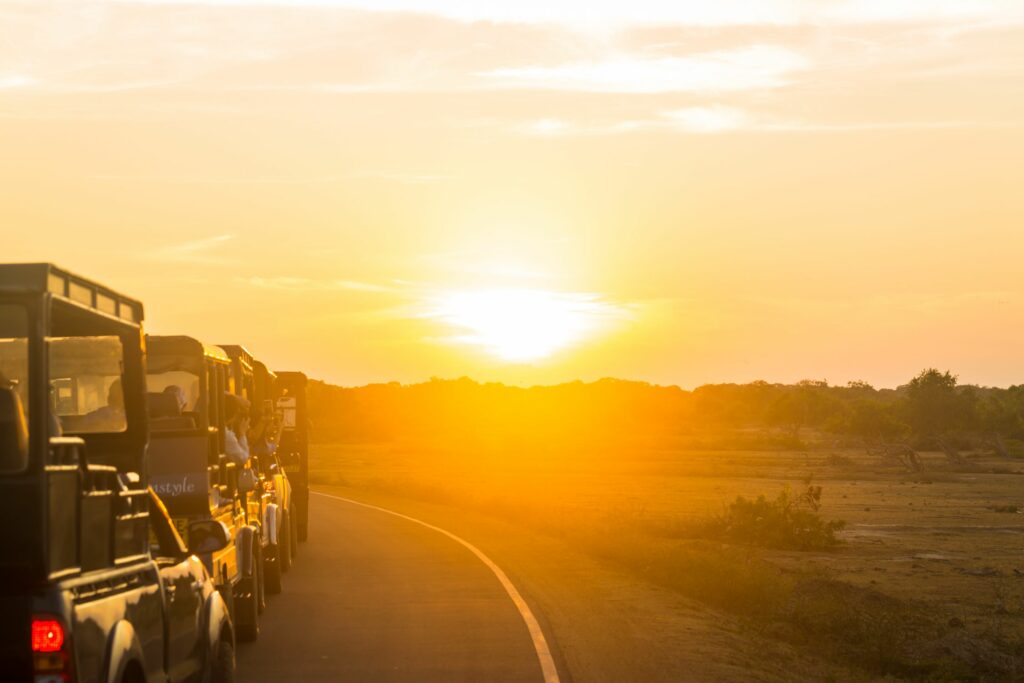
[
  {"x": 95, "y": 583},
  {"x": 187, "y": 381},
  {"x": 293, "y": 445},
  {"x": 255, "y": 383}
]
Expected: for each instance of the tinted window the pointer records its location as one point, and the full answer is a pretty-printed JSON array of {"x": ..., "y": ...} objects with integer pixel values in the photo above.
[
  {"x": 182, "y": 384},
  {"x": 86, "y": 375},
  {"x": 13, "y": 388}
]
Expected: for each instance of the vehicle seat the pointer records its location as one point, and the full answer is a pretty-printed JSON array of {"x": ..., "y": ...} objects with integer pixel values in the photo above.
[
  {"x": 161, "y": 405},
  {"x": 167, "y": 424},
  {"x": 165, "y": 413},
  {"x": 13, "y": 433}
]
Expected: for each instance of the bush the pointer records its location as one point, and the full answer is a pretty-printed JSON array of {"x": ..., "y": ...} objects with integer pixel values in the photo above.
[{"x": 788, "y": 522}]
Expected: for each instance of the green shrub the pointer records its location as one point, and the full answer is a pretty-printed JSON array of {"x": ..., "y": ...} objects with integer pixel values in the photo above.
[{"x": 788, "y": 522}]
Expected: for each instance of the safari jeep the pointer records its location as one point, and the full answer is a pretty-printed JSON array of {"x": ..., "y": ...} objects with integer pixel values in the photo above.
[
  {"x": 255, "y": 383},
  {"x": 95, "y": 584},
  {"x": 293, "y": 446},
  {"x": 186, "y": 384}
]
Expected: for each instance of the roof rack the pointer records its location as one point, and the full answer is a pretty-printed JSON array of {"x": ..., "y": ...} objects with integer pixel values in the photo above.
[{"x": 48, "y": 278}]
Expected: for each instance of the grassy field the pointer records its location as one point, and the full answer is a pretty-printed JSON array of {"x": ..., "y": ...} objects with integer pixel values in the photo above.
[{"x": 927, "y": 581}]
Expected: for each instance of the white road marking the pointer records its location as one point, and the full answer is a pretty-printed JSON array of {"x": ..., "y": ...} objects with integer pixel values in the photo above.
[{"x": 540, "y": 644}]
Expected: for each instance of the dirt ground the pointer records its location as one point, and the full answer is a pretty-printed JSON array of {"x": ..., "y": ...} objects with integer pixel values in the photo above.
[{"x": 950, "y": 544}]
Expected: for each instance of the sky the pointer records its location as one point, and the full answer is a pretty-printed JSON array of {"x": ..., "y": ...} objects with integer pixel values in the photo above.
[{"x": 676, "y": 192}]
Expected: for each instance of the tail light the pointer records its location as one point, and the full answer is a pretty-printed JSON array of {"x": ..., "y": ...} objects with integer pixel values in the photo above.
[
  {"x": 51, "y": 658},
  {"x": 47, "y": 635}
]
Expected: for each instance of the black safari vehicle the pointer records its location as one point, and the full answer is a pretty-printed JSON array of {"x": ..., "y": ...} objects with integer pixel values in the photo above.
[
  {"x": 293, "y": 448},
  {"x": 95, "y": 583},
  {"x": 187, "y": 382},
  {"x": 257, "y": 385}
]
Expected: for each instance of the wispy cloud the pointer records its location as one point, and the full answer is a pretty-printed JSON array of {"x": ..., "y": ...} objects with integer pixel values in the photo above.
[
  {"x": 403, "y": 178},
  {"x": 714, "y": 118},
  {"x": 305, "y": 284},
  {"x": 720, "y": 119},
  {"x": 15, "y": 81},
  {"x": 748, "y": 68},
  {"x": 329, "y": 178},
  {"x": 195, "y": 251},
  {"x": 647, "y": 12}
]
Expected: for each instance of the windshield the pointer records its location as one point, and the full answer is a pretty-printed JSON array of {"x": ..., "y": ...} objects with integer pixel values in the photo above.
[
  {"x": 181, "y": 384},
  {"x": 13, "y": 388},
  {"x": 86, "y": 384}
]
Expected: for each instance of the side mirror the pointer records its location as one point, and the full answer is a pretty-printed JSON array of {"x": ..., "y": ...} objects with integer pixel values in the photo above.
[{"x": 207, "y": 536}]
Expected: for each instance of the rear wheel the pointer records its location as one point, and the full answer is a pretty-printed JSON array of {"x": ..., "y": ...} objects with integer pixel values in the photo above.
[
  {"x": 261, "y": 590},
  {"x": 302, "y": 522},
  {"x": 273, "y": 571},
  {"x": 222, "y": 664},
  {"x": 284, "y": 542},
  {"x": 293, "y": 533},
  {"x": 248, "y": 625},
  {"x": 247, "y": 605},
  {"x": 133, "y": 674}
]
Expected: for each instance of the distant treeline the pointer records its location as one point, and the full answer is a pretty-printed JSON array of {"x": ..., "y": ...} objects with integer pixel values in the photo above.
[{"x": 932, "y": 411}]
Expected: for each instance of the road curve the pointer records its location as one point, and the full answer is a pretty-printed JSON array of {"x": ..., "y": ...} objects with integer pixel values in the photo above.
[{"x": 376, "y": 597}]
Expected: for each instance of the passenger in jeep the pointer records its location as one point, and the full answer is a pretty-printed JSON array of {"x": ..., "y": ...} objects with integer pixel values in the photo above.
[
  {"x": 109, "y": 418},
  {"x": 236, "y": 414}
]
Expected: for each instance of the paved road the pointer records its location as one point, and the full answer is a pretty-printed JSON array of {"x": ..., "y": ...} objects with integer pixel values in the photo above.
[{"x": 373, "y": 597}]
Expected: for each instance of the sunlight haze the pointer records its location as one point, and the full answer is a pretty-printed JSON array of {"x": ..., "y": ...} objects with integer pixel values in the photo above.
[{"x": 534, "y": 192}]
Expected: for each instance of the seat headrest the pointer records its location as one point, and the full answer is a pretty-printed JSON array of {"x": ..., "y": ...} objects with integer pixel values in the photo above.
[{"x": 160, "y": 404}]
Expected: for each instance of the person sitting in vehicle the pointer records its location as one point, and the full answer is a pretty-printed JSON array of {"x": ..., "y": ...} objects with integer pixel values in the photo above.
[
  {"x": 236, "y": 426},
  {"x": 13, "y": 429},
  {"x": 111, "y": 417},
  {"x": 179, "y": 396},
  {"x": 259, "y": 437}
]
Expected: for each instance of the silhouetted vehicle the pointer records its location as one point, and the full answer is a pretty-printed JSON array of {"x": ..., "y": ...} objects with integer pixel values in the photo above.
[
  {"x": 187, "y": 381},
  {"x": 95, "y": 584},
  {"x": 293, "y": 447},
  {"x": 253, "y": 382},
  {"x": 273, "y": 470}
]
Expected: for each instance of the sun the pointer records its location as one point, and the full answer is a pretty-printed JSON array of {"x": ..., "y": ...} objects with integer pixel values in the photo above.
[{"x": 522, "y": 325}]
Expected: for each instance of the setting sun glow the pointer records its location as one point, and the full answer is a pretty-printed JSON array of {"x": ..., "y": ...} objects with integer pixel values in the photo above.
[{"x": 522, "y": 325}]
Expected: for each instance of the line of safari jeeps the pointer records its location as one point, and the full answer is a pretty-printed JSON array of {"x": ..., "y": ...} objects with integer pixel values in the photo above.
[{"x": 153, "y": 489}]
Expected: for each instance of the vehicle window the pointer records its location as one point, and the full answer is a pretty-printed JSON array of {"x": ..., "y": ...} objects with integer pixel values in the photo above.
[
  {"x": 288, "y": 408},
  {"x": 13, "y": 388},
  {"x": 86, "y": 375},
  {"x": 182, "y": 384}
]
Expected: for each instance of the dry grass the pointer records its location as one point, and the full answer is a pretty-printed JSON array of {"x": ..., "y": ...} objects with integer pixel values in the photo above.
[{"x": 921, "y": 587}]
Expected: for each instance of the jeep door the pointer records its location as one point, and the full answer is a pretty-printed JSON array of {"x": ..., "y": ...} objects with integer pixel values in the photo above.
[{"x": 182, "y": 576}]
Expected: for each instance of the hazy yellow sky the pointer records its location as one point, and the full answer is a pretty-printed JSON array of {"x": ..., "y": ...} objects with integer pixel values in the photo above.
[{"x": 537, "y": 191}]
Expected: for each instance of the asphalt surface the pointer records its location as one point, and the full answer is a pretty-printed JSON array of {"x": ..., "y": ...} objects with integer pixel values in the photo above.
[{"x": 373, "y": 597}]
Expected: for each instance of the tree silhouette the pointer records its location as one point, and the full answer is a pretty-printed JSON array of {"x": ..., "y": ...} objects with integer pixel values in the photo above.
[{"x": 937, "y": 410}]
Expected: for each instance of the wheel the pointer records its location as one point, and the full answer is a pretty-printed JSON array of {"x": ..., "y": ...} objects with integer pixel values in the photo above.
[
  {"x": 272, "y": 570},
  {"x": 302, "y": 522},
  {"x": 248, "y": 623},
  {"x": 261, "y": 591},
  {"x": 284, "y": 543},
  {"x": 222, "y": 663},
  {"x": 293, "y": 534},
  {"x": 133, "y": 674},
  {"x": 247, "y": 605}
]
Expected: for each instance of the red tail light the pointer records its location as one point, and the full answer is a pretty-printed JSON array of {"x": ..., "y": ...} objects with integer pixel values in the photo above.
[
  {"x": 47, "y": 635},
  {"x": 50, "y": 651}
]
